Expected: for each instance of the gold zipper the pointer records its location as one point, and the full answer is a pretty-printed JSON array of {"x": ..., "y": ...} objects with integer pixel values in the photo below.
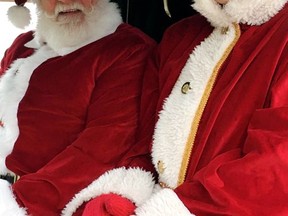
[{"x": 201, "y": 107}]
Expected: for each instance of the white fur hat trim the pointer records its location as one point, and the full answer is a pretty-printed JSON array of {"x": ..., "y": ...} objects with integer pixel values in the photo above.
[{"x": 19, "y": 16}]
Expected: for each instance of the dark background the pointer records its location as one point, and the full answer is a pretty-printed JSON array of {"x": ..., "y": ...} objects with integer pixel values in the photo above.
[{"x": 150, "y": 16}]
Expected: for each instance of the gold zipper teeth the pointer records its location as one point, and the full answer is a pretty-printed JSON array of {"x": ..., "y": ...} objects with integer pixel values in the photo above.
[{"x": 201, "y": 107}]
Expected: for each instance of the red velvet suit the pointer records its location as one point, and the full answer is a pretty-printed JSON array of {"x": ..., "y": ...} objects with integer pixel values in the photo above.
[
  {"x": 229, "y": 157},
  {"x": 77, "y": 118},
  {"x": 239, "y": 163}
]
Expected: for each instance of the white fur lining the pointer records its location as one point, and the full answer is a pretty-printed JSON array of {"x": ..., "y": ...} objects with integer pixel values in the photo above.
[
  {"x": 13, "y": 86},
  {"x": 164, "y": 202},
  {"x": 133, "y": 183},
  {"x": 175, "y": 120},
  {"x": 252, "y": 12},
  {"x": 8, "y": 204}
]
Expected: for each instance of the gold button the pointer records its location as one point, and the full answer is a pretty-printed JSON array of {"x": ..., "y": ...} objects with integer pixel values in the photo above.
[
  {"x": 185, "y": 87},
  {"x": 164, "y": 185},
  {"x": 224, "y": 30},
  {"x": 160, "y": 167}
]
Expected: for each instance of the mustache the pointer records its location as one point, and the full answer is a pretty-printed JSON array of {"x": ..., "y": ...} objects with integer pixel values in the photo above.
[{"x": 62, "y": 8}]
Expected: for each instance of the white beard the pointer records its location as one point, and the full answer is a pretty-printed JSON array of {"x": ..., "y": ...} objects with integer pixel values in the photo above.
[{"x": 101, "y": 21}]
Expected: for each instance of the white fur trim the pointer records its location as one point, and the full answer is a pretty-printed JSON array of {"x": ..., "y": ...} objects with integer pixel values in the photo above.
[
  {"x": 213, "y": 12},
  {"x": 133, "y": 183},
  {"x": 8, "y": 203},
  {"x": 252, "y": 12},
  {"x": 19, "y": 16},
  {"x": 170, "y": 139},
  {"x": 13, "y": 86},
  {"x": 165, "y": 202}
]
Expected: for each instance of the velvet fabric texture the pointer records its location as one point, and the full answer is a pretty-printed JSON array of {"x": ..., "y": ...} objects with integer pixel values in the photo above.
[
  {"x": 239, "y": 163},
  {"x": 78, "y": 117}
]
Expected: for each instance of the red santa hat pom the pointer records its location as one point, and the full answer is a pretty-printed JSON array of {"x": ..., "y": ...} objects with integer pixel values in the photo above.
[{"x": 19, "y": 15}]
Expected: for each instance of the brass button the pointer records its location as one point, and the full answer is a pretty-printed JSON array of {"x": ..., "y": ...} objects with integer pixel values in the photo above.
[
  {"x": 185, "y": 87},
  {"x": 164, "y": 185},
  {"x": 224, "y": 30},
  {"x": 160, "y": 167}
]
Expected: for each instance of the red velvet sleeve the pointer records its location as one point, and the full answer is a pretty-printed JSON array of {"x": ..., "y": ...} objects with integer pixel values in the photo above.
[
  {"x": 16, "y": 50},
  {"x": 111, "y": 123},
  {"x": 139, "y": 154},
  {"x": 252, "y": 180}
]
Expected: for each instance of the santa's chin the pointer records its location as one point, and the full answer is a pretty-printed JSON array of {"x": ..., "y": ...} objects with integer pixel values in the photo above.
[{"x": 64, "y": 31}]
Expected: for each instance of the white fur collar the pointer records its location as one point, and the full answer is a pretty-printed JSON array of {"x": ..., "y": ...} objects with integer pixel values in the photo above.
[
  {"x": 251, "y": 12},
  {"x": 107, "y": 18}
]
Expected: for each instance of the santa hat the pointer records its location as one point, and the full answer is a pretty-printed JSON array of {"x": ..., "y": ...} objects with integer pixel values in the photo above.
[{"x": 19, "y": 15}]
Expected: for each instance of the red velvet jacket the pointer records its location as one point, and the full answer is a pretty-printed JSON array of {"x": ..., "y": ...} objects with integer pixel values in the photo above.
[
  {"x": 221, "y": 140},
  {"x": 77, "y": 118}
]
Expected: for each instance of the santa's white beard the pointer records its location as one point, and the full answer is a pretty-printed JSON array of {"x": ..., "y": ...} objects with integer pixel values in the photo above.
[
  {"x": 64, "y": 35},
  {"x": 103, "y": 20}
]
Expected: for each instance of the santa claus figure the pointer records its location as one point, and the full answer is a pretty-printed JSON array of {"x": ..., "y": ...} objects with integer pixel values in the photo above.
[
  {"x": 220, "y": 143},
  {"x": 69, "y": 102}
]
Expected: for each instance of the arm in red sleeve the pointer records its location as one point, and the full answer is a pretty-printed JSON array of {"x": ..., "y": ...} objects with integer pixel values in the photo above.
[
  {"x": 109, "y": 133},
  {"x": 250, "y": 183},
  {"x": 247, "y": 181},
  {"x": 133, "y": 178},
  {"x": 15, "y": 51}
]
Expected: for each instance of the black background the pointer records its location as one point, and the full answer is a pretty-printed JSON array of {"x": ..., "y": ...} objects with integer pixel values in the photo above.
[{"x": 150, "y": 16}]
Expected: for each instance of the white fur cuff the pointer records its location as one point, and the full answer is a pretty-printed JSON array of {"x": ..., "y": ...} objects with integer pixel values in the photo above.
[
  {"x": 133, "y": 183},
  {"x": 164, "y": 202},
  {"x": 8, "y": 204}
]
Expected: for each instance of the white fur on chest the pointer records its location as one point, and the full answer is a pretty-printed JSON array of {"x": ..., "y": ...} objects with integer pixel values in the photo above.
[{"x": 179, "y": 110}]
